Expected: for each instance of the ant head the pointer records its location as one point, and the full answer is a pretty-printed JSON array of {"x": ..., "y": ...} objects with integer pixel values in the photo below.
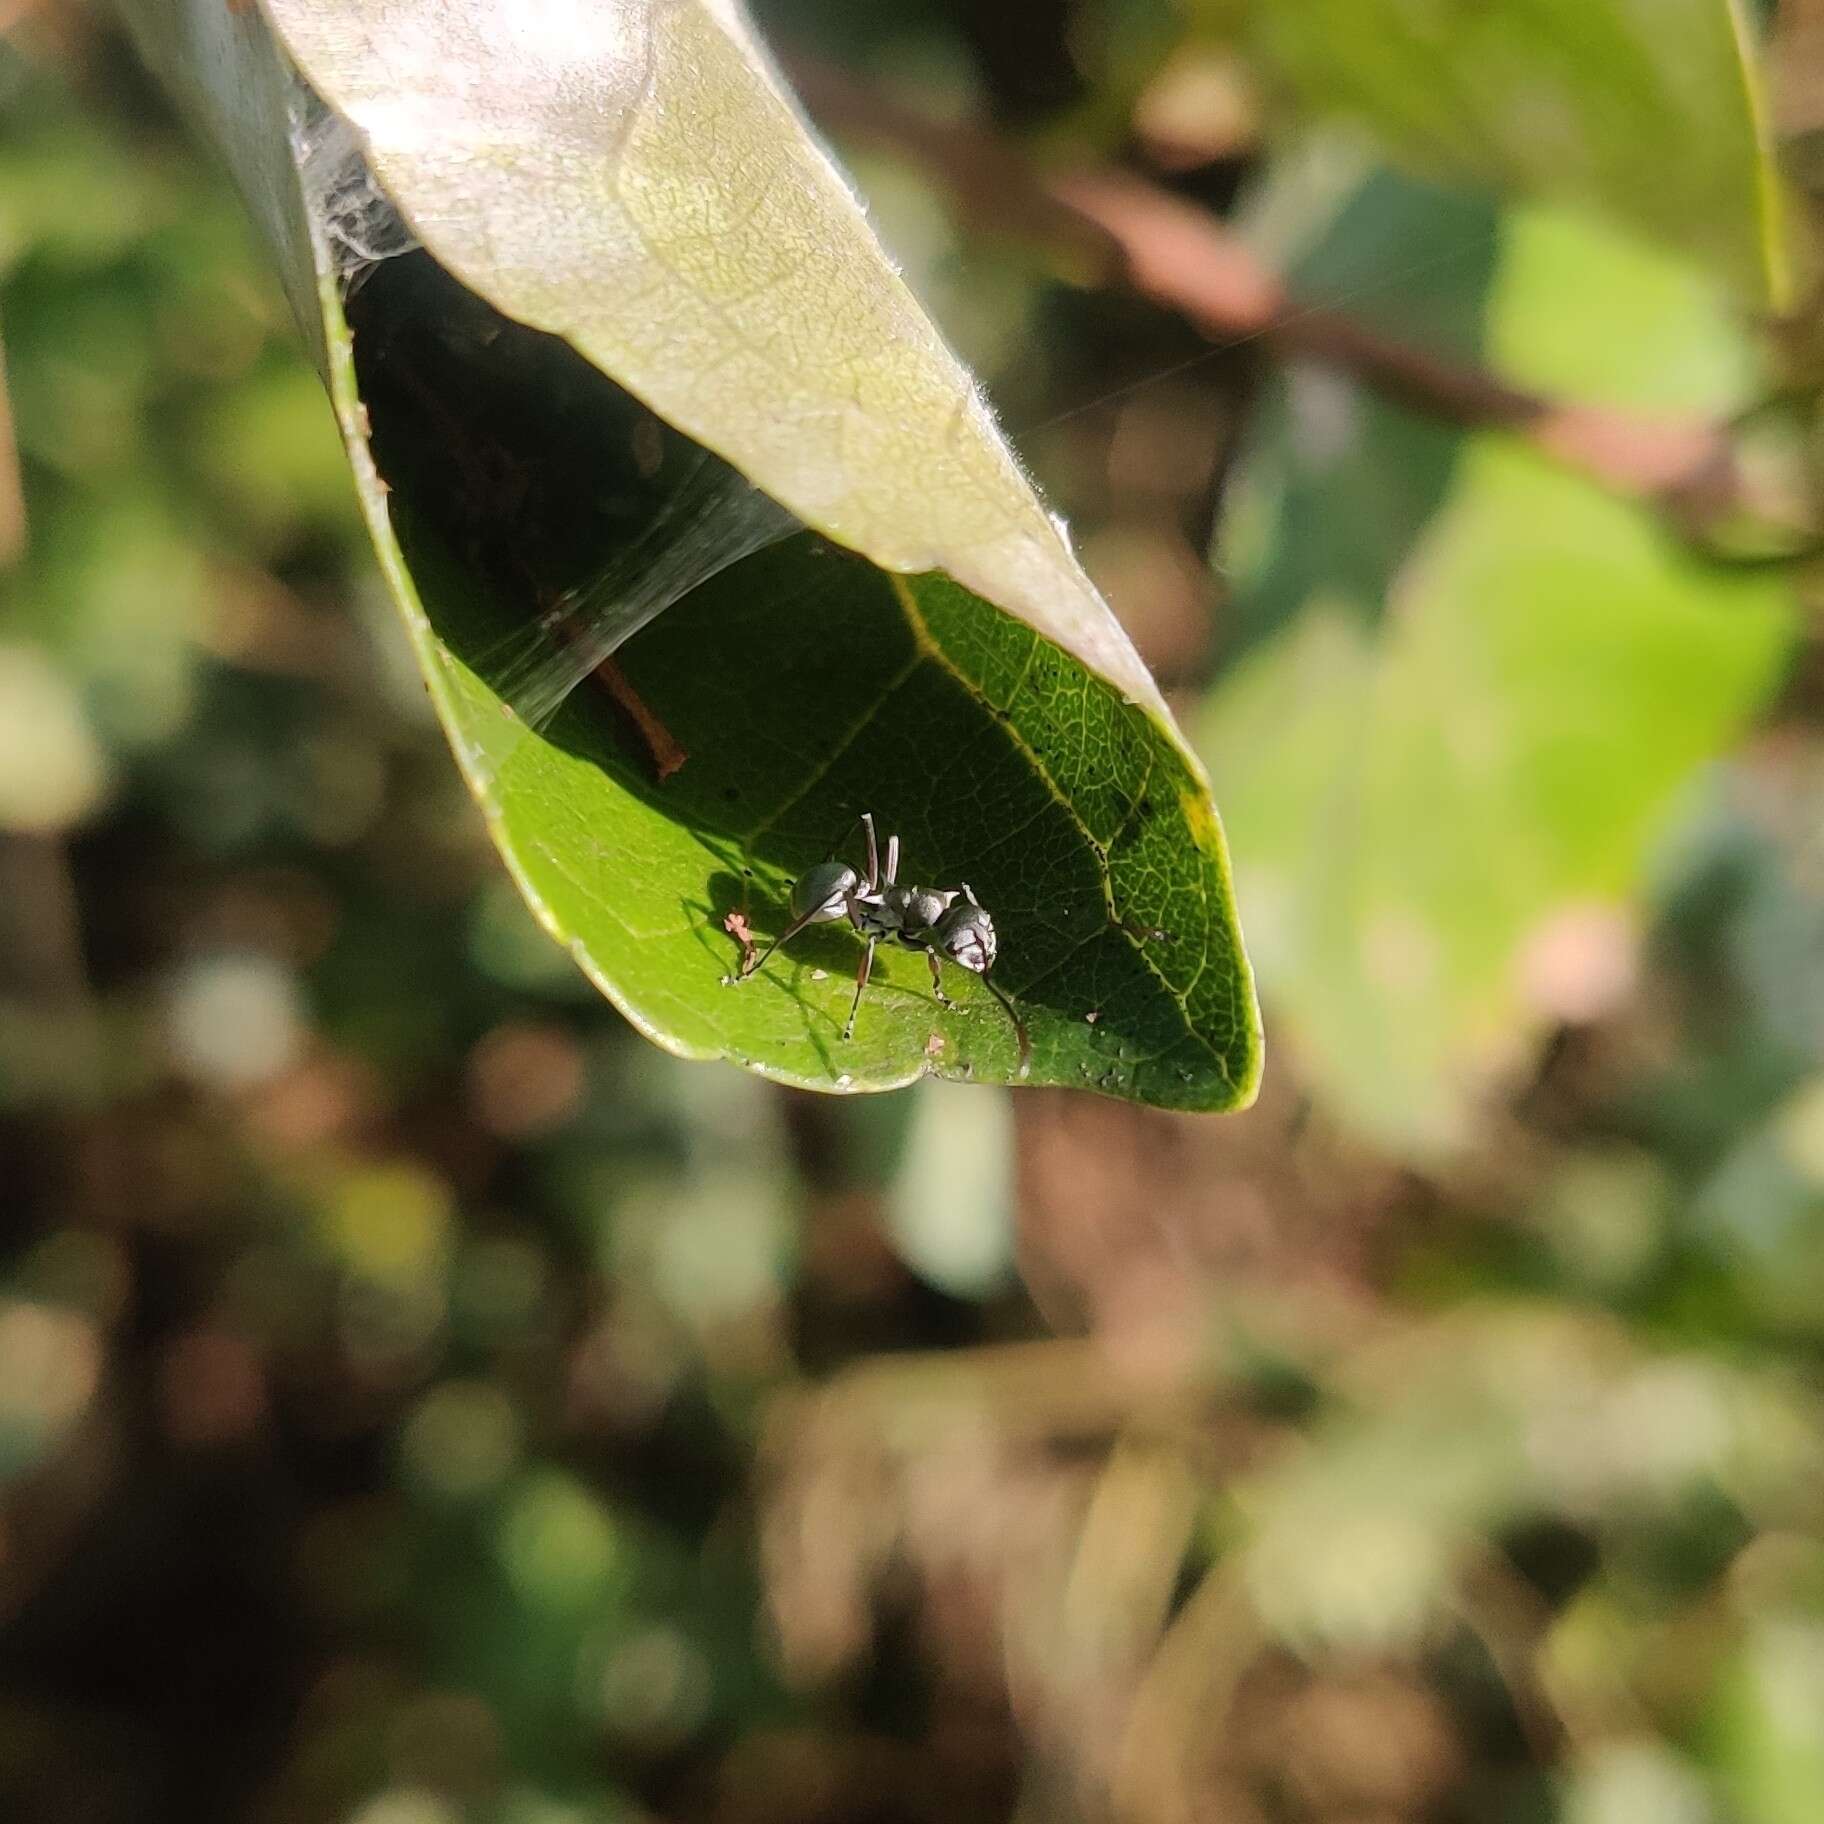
[{"x": 965, "y": 933}]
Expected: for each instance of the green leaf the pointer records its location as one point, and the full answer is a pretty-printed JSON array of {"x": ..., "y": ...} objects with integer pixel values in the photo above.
[
  {"x": 635, "y": 217},
  {"x": 1476, "y": 742},
  {"x": 1650, "y": 111}
]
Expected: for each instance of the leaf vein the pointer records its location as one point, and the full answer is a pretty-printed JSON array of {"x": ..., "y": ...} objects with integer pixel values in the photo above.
[{"x": 930, "y": 648}]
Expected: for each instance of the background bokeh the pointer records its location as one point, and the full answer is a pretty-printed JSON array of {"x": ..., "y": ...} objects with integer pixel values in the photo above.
[{"x": 423, "y": 1402}]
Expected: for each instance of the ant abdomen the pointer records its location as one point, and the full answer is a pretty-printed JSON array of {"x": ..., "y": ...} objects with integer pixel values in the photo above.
[{"x": 823, "y": 893}]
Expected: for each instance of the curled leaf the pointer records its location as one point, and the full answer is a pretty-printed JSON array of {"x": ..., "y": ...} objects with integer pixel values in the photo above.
[{"x": 556, "y": 261}]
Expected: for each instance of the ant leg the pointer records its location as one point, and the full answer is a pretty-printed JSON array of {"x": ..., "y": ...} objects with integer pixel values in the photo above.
[
  {"x": 784, "y": 937},
  {"x": 937, "y": 980},
  {"x": 861, "y": 981},
  {"x": 867, "y": 823},
  {"x": 892, "y": 859},
  {"x": 864, "y": 823},
  {"x": 1019, "y": 1025}
]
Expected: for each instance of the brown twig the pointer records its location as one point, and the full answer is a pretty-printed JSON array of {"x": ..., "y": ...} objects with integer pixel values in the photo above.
[
  {"x": 1179, "y": 255},
  {"x": 990, "y": 183},
  {"x": 1133, "y": 232},
  {"x": 664, "y": 749}
]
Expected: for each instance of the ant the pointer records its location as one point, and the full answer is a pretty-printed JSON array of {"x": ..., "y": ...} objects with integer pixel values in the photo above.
[{"x": 940, "y": 921}]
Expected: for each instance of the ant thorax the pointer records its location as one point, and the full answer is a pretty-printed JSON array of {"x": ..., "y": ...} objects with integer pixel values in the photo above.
[{"x": 905, "y": 913}]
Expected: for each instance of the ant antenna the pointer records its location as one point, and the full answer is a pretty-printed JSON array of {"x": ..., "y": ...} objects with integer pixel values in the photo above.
[{"x": 1019, "y": 1025}]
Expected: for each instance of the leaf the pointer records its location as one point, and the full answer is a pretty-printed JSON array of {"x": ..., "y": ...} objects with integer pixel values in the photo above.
[
  {"x": 636, "y": 214},
  {"x": 1480, "y": 738},
  {"x": 1649, "y": 111},
  {"x": 632, "y": 179}
]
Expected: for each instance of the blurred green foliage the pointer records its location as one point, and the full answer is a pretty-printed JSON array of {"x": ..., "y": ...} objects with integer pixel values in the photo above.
[
  {"x": 1485, "y": 677},
  {"x": 422, "y": 1402},
  {"x": 1650, "y": 116}
]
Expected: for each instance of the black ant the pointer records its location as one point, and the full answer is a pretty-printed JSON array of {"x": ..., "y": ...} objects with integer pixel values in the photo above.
[{"x": 943, "y": 922}]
